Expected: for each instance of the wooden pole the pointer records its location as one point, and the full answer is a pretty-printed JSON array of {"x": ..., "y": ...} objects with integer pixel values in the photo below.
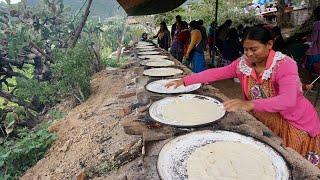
[
  {"x": 214, "y": 32},
  {"x": 121, "y": 41},
  {"x": 82, "y": 23}
]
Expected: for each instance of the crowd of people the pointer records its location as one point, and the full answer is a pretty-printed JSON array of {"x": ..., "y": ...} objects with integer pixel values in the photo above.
[
  {"x": 189, "y": 42},
  {"x": 269, "y": 79}
]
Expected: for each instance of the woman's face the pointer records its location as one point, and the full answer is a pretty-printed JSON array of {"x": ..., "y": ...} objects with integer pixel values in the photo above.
[{"x": 256, "y": 51}]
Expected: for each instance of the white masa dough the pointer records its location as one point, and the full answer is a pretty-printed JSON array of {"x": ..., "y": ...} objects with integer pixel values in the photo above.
[
  {"x": 162, "y": 72},
  {"x": 229, "y": 161},
  {"x": 160, "y": 63},
  {"x": 192, "y": 111}
]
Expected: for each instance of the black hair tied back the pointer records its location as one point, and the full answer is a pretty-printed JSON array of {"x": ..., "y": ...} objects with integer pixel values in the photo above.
[{"x": 261, "y": 34}]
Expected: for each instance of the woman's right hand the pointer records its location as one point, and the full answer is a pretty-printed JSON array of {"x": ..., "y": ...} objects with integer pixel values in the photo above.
[{"x": 175, "y": 83}]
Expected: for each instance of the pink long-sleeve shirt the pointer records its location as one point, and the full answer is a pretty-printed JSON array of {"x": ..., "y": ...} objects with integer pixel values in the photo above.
[{"x": 288, "y": 101}]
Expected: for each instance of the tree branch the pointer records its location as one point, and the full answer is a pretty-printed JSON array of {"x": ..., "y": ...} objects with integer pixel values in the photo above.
[
  {"x": 32, "y": 45},
  {"x": 82, "y": 23}
]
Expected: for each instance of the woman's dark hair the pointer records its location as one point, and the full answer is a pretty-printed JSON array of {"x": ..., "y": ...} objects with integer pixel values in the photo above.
[
  {"x": 194, "y": 25},
  {"x": 164, "y": 25},
  {"x": 200, "y": 22},
  {"x": 261, "y": 34}
]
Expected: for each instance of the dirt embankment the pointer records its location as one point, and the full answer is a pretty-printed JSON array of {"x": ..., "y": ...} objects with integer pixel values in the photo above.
[{"x": 90, "y": 134}]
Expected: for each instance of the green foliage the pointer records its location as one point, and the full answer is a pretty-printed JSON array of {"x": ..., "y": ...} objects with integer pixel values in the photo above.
[
  {"x": 205, "y": 10},
  {"x": 29, "y": 88},
  {"x": 73, "y": 71},
  {"x": 112, "y": 62},
  {"x": 17, "y": 156},
  {"x": 113, "y": 29},
  {"x": 56, "y": 114}
]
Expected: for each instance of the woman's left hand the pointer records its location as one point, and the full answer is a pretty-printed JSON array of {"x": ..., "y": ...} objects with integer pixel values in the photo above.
[{"x": 238, "y": 104}]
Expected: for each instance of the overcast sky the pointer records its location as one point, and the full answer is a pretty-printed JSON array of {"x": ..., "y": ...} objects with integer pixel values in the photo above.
[{"x": 12, "y": 1}]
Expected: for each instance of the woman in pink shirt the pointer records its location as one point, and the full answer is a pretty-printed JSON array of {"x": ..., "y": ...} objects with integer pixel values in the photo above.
[{"x": 272, "y": 91}]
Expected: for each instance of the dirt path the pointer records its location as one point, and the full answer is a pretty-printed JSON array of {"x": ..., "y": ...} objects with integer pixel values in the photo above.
[{"x": 90, "y": 133}]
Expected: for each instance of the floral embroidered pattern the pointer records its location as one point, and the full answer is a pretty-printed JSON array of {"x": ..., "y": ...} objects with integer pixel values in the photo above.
[
  {"x": 245, "y": 69},
  {"x": 313, "y": 158},
  {"x": 256, "y": 92}
]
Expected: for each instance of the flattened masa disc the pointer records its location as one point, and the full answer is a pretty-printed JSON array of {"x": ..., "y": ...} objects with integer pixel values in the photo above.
[
  {"x": 159, "y": 87},
  {"x": 209, "y": 155},
  {"x": 159, "y": 63},
  {"x": 162, "y": 72}
]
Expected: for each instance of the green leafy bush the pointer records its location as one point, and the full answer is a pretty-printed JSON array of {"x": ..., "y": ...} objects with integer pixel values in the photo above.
[
  {"x": 44, "y": 91},
  {"x": 72, "y": 72},
  {"x": 16, "y": 156},
  {"x": 112, "y": 62}
]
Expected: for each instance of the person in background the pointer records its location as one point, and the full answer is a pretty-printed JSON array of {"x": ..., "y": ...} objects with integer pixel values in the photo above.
[
  {"x": 222, "y": 33},
  {"x": 240, "y": 30},
  {"x": 174, "y": 26},
  {"x": 224, "y": 29},
  {"x": 272, "y": 93},
  {"x": 278, "y": 41},
  {"x": 144, "y": 37},
  {"x": 232, "y": 47},
  {"x": 163, "y": 36},
  {"x": 176, "y": 49},
  {"x": 211, "y": 38},
  {"x": 313, "y": 53},
  {"x": 203, "y": 33},
  {"x": 195, "y": 50},
  {"x": 184, "y": 39}
]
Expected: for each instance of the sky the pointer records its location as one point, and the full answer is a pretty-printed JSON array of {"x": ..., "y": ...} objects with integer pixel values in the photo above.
[{"x": 12, "y": 1}]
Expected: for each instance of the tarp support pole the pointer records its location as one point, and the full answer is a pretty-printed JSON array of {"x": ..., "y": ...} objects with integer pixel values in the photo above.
[{"x": 214, "y": 32}]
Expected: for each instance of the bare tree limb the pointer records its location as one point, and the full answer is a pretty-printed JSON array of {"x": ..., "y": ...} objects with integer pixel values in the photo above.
[
  {"x": 82, "y": 23},
  {"x": 32, "y": 45},
  {"x": 121, "y": 41}
]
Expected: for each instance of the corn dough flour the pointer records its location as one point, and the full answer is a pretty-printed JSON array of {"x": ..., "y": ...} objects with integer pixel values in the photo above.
[
  {"x": 162, "y": 72},
  {"x": 229, "y": 161},
  {"x": 192, "y": 111},
  {"x": 160, "y": 63}
]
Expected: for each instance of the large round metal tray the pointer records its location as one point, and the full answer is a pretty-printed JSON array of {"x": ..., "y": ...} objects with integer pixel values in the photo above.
[
  {"x": 173, "y": 156},
  {"x": 159, "y": 87},
  {"x": 157, "y": 108}
]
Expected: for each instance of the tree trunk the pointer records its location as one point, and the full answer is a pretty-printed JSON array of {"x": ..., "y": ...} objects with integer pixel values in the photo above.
[
  {"x": 121, "y": 41},
  {"x": 32, "y": 45},
  {"x": 82, "y": 23}
]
